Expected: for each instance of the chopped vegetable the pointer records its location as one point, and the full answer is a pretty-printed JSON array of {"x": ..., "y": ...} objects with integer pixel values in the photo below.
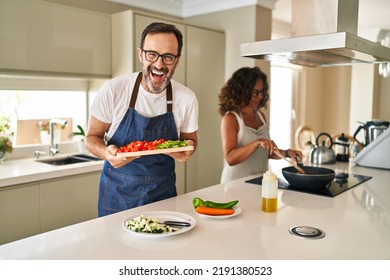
[
  {"x": 139, "y": 146},
  {"x": 148, "y": 225},
  {"x": 172, "y": 144},
  {"x": 213, "y": 211}
]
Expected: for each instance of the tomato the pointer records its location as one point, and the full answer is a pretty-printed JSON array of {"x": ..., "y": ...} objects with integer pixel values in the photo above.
[
  {"x": 138, "y": 146},
  {"x": 145, "y": 146},
  {"x": 123, "y": 150},
  {"x": 156, "y": 142}
]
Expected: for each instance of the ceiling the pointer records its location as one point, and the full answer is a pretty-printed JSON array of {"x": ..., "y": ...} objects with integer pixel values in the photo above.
[{"x": 373, "y": 14}]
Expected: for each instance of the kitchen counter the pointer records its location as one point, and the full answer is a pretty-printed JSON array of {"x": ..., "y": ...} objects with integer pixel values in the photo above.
[
  {"x": 356, "y": 224},
  {"x": 20, "y": 171}
]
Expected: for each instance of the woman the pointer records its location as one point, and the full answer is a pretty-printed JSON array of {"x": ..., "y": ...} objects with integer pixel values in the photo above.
[{"x": 245, "y": 135}]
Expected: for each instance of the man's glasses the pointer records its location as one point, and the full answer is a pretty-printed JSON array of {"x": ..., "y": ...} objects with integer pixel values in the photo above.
[
  {"x": 256, "y": 92},
  {"x": 153, "y": 56}
]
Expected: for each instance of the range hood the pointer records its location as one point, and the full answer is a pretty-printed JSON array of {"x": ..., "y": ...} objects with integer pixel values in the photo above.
[{"x": 324, "y": 34}]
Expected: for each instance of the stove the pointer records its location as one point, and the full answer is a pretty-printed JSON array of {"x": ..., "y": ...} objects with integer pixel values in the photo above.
[{"x": 341, "y": 183}]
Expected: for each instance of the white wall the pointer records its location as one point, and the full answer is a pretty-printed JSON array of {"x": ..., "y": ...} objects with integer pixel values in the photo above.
[
  {"x": 384, "y": 98},
  {"x": 236, "y": 32},
  {"x": 362, "y": 95}
]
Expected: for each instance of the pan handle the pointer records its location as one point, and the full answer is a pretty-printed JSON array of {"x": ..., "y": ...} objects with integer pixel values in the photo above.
[{"x": 299, "y": 161}]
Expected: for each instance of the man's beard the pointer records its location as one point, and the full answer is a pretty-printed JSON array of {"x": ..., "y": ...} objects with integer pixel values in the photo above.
[{"x": 153, "y": 85}]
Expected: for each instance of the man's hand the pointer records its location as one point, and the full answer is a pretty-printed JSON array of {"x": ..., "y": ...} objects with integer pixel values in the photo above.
[
  {"x": 115, "y": 161},
  {"x": 183, "y": 156}
]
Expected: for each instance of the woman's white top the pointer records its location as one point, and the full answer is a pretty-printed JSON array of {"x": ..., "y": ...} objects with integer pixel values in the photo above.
[{"x": 258, "y": 160}]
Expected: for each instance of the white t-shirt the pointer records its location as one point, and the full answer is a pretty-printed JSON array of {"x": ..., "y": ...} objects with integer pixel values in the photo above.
[{"x": 113, "y": 100}]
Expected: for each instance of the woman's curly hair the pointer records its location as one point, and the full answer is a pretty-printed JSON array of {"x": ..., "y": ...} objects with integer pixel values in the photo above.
[{"x": 237, "y": 92}]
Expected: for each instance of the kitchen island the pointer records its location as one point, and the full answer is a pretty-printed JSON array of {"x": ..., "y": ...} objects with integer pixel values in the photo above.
[{"x": 356, "y": 224}]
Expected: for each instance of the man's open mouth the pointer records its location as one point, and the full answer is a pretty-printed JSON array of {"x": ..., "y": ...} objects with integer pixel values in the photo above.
[{"x": 158, "y": 74}]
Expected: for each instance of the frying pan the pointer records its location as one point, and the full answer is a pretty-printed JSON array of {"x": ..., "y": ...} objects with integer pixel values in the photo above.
[{"x": 314, "y": 177}]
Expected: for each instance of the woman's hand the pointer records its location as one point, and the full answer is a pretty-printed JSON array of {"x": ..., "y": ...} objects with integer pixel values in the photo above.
[
  {"x": 294, "y": 154},
  {"x": 271, "y": 146},
  {"x": 267, "y": 144}
]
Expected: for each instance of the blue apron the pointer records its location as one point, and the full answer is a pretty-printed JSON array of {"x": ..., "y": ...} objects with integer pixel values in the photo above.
[{"x": 148, "y": 178}]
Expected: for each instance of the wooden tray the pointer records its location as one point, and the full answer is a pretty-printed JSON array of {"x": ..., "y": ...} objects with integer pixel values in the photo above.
[{"x": 155, "y": 152}]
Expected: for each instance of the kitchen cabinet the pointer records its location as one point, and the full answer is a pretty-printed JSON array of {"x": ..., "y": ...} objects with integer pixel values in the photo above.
[
  {"x": 68, "y": 200},
  {"x": 36, "y": 207},
  {"x": 205, "y": 76},
  {"x": 19, "y": 211},
  {"x": 40, "y": 37}
]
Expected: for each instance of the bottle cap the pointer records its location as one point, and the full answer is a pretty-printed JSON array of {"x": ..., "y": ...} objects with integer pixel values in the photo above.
[{"x": 269, "y": 176}]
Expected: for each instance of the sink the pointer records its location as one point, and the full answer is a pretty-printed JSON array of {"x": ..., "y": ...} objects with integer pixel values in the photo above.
[
  {"x": 85, "y": 157},
  {"x": 69, "y": 159}
]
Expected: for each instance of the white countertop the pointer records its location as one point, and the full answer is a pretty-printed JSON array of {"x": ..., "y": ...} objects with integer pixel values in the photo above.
[
  {"x": 356, "y": 224},
  {"x": 20, "y": 171}
]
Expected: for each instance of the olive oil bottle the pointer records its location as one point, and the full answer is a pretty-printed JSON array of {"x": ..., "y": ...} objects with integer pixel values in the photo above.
[{"x": 269, "y": 192}]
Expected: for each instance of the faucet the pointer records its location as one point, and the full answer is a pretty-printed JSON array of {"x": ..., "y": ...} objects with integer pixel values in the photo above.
[
  {"x": 54, "y": 147},
  {"x": 38, "y": 153}
]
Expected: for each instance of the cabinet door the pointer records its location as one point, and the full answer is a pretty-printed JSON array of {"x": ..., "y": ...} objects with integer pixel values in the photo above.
[
  {"x": 205, "y": 76},
  {"x": 19, "y": 212},
  {"x": 41, "y": 37},
  {"x": 122, "y": 43},
  {"x": 68, "y": 200}
]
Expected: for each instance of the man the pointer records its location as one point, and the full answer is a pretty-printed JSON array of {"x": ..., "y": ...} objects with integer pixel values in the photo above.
[{"x": 143, "y": 106}]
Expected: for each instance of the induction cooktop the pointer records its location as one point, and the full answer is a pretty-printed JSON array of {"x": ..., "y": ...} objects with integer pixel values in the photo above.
[{"x": 341, "y": 183}]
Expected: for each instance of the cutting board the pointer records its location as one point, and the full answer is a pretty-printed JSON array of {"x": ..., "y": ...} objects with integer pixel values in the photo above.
[{"x": 155, "y": 152}]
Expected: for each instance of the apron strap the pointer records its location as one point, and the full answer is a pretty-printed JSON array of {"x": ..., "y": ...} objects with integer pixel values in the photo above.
[
  {"x": 169, "y": 97},
  {"x": 134, "y": 94}
]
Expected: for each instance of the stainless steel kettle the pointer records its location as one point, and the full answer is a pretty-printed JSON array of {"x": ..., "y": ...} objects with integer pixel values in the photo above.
[
  {"x": 322, "y": 154},
  {"x": 372, "y": 130}
]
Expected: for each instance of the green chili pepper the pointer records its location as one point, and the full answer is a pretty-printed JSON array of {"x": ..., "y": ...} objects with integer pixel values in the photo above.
[
  {"x": 199, "y": 202},
  {"x": 226, "y": 205}
]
